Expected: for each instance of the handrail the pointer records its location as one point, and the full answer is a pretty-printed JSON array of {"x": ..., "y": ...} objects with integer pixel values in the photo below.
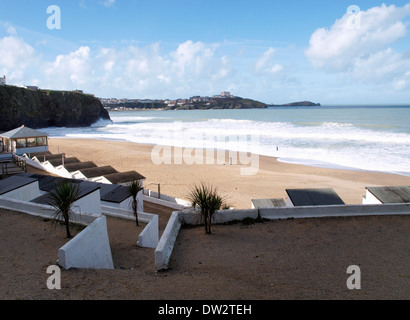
[
  {"x": 20, "y": 162},
  {"x": 159, "y": 188}
]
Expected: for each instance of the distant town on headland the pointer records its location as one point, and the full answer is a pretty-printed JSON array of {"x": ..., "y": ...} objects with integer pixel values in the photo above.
[{"x": 225, "y": 100}]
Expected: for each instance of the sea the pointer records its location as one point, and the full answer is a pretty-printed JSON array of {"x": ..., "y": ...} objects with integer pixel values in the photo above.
[{"x": 373, "y": 138}]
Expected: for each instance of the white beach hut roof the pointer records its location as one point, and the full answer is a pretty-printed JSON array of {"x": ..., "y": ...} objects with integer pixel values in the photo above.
[{"x": 23, "y": 132}]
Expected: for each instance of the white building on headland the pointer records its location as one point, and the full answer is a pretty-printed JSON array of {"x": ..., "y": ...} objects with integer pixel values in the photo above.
[
  {"x": 3, "y": 81},
  {"x": 225, "y": 94}
]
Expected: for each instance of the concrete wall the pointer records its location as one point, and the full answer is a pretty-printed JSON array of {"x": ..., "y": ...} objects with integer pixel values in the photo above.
[
  {"x": 335, "y": 211},
  {"x": 78, "y": 175},
  {"x": 89, "y": 204},
  {"x": 46, "y": 166},
  {"x": 62, "y": 172},
  {"x": 172, "y": 205},
  {"x": 222, "y": 216},
  {"x": 89, "y": 249},
  {"x": 166, "y": 243},
  {"x": 149, "y": 237},
  {"x": 369, "y": 198},
  {"x": 25, "y": 193},
  {"x": 289, "y": 202},
  {"x": 167, "y": 198},
  {"x": 41, "y": 210},
  {"x": 125, "y": 214}
]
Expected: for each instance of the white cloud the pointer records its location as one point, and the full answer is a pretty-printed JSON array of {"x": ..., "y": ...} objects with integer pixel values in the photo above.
[
  {"x": 15, "y": 57},
  {"x": 71, "y": 69},
  {"x": 265, "y": 65},
  {"x": 337, "y": 47},
  {"x": 109, "y": 3},
  {"x": 363, "y": 51},
  {"x": 192, "y": 58}
]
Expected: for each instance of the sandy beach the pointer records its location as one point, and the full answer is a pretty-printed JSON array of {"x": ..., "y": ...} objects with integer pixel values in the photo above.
[
  {"x": 286, "y": 259},
  {"x": 271, "y": 180}
]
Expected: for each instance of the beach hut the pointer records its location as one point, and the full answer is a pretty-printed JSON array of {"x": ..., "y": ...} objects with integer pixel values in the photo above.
[
  {"x": 268, "y": 203},
  {"x": 123, "y": 178},
  {"x": 89, "y": 194},
  {"x": 75, "y": 166},
  {"x": 312, "y": 197},
  {"x": 381, "y": 195},
  {"x": 117, "y": 196},
  {"x": 93, "y": 172},
  {"x": 23, "y": 140},
  {"x": 21, "y": 188}
]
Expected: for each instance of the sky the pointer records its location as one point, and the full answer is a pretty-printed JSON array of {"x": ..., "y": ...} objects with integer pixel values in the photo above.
[{"x": 328, "y": 52}]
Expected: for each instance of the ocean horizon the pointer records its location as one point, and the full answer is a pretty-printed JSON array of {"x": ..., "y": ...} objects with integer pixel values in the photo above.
[{"x": 373, "y": 138}]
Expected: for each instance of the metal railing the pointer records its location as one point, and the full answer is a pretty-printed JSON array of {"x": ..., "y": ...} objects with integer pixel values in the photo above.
[{"x": 20, "y": 162}]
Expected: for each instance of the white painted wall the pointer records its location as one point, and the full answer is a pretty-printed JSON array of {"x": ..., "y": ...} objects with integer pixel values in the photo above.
[
  {"x": 335, "y": 211},
  {"x": 369, "y": 198},
  {"x": 126, "y": 214},
  {"x": 149, "y": 237},
  {"x": 78, "y": 175},
  {"x": 167, "y": 198},
  {"x": 25, "y": 193},
  {"x": 166, "y": 243},
  {"x": 90, "y": 249},
  {"x": 100, "y": 179},
  {"x": 222, "y": 216},
  {"x": 41, "y": 210},
  {"x": 289, "y": 203},
  {"x": 175, "y": 206},
  {"x": 63, "y": 172},
  {"x": 90, "y": 204}
]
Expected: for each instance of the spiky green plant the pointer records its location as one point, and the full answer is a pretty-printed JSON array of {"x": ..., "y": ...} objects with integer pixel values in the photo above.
[
  {"x": 208, "y": 201},
  {"x": 134, "y": 188},
  {"x": 62, "y": 199}
]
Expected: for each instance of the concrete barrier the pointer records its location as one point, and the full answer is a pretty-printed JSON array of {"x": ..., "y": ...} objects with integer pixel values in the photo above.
[
  {"x": 149, "y": 237},
  {"x": 90, "y": 249},
  {"x": 190, "y": 217},
  {"x": 126, "y": 214},
  {"x": 155, "y": 195},
  {"x": 335, "y": 211},
  {"x": 166, "y": 243},
  {"x": 165, "y": 203}
]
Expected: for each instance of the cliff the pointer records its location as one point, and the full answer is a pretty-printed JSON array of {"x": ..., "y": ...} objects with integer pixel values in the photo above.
[{"x": 47, "y": 108}]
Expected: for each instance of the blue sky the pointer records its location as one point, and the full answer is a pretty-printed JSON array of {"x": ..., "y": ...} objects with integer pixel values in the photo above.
[{"x": 272, "y": 51}]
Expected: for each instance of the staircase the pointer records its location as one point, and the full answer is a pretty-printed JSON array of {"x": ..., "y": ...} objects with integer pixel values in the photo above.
[{"x": 9, "y": 168}]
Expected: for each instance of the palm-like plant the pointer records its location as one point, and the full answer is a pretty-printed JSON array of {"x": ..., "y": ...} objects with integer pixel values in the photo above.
[
  {"x": 208, "y": 201},
  {"x": 62, "y": 199},
  {"x": 134, "y": 188}
]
